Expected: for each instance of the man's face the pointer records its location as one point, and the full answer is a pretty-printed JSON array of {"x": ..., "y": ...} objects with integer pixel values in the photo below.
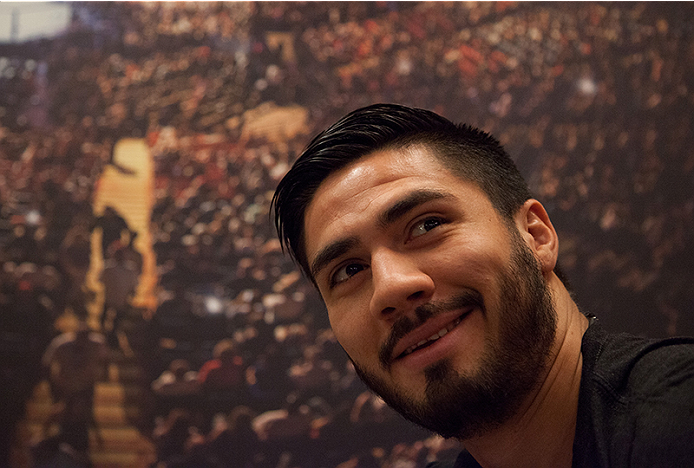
[{"x": 439, "y": 303}]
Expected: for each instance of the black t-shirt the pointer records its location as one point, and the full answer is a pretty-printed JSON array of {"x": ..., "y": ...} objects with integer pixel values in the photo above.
[{"x": 636, "y": 404}]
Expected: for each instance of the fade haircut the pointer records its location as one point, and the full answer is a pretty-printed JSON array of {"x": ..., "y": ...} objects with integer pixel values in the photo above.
[{"x": 467, "y": 152}]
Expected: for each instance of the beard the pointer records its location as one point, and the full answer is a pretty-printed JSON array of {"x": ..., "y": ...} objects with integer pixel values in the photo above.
[{"x": 469, "y": 405}]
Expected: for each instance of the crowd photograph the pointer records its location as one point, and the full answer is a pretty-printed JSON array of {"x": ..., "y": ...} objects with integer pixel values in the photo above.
[{"x": 317, "y": 235}]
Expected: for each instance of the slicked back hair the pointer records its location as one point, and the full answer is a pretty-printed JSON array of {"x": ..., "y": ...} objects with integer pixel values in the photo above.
[{"x": 467, "y": 152}]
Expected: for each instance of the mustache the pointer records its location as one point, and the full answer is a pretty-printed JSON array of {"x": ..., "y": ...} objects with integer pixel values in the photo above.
[{"x": 404, "y": 324}]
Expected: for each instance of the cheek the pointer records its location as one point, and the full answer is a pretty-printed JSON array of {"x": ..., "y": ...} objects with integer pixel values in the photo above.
[
  {"x": 475, "y": 267},
  {"x": 355, "y": 336},
  {"x": 473, "y": 250}
]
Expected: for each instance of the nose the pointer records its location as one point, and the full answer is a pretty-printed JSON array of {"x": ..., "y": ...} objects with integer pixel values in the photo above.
[{"x": 399, "y": 284}]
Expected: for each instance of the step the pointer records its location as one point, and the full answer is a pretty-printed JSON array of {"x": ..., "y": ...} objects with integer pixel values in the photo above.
[
  {"x": 125, "y": 372},
  {"x": 114, "y": 438},
  {"x": 140, "y": 452},
  {"x": 103, "y": 414},
  {"x": 121, "y": 447},
  {"x": 105, "y": 393},
  {"x": 141, "y": 458}
]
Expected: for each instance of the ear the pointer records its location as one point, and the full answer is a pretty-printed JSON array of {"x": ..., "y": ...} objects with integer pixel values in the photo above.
[{"x": 536, "y": 229}]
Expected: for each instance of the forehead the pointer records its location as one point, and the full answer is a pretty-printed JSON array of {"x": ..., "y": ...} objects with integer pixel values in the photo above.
[
  {"x": 398, "y": 166},
  {"x": 388, "y": 169}
]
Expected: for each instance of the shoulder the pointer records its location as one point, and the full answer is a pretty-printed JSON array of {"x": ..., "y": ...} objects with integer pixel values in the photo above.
[
  {"x": 208, "y": 367},
  {"x": 57, "y": 346},
  {"x": 97, "y": 338},
  {"x": 464, "y": 460},
  {"x": 636, "y": 368},
  {"x": 441, "y": 464},
  {"x": 635, "y": 405}
]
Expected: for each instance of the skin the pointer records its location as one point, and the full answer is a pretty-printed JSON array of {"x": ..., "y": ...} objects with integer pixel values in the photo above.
[{"x": 396, "y": 230}]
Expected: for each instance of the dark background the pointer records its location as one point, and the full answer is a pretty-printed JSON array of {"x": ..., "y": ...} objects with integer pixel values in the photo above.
[{"x": 593, "y": 101}]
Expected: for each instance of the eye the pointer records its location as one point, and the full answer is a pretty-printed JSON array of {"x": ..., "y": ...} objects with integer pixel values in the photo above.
[
  {"x": 425, "y": 225},
  {"x": 345, "y": 272}
]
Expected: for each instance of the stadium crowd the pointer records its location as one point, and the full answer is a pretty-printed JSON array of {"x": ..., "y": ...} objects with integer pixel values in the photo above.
[{"x": 594, "y": 101}]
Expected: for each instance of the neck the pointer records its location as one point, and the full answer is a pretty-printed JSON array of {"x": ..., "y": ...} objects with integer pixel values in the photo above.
[{"x": 541, "y": 434}]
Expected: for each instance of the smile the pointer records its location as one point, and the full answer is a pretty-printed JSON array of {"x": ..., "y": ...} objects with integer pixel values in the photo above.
[{"x": 433, "y": 338}]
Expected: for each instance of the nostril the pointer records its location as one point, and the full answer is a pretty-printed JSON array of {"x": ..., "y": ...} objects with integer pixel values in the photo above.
[
  {"x": 388, "y": 310},
  {"x": 416, "y": 295}
]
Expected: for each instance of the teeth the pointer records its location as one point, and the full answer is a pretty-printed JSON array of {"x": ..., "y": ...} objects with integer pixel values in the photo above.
[{"x": 434, "y": 337}]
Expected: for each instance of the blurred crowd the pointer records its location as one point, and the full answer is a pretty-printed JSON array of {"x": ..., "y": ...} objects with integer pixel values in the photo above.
[{"x": 593, "y": 100}]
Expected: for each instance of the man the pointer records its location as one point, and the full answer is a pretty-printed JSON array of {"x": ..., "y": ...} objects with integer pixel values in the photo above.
[
  {"x": 112, "y": 225},
  {"x": 75, "y": 361},
  {"x": 439, "y": 273},
  {"x": 120, "y": 280}
]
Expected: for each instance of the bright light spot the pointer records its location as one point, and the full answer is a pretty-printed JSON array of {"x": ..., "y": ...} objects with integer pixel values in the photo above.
[
  {"x": 213, "y": 305},
  {"x": 587, "y": 86},
  {"x": 33, "y": 218}
]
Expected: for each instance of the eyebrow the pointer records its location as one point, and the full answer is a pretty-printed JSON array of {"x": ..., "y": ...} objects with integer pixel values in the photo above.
[
  {"x": 385, "y": 219},
  {"x": 407, "y": 204},
  {"x": 331, "y": 252}
]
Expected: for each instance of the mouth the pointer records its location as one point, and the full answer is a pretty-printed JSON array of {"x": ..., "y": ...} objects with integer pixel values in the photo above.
[{"x": 433, "y": 338}]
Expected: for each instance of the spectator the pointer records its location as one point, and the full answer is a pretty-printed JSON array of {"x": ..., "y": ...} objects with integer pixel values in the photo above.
[
  {"x": 287, "y": 432},
  {"x": 590, "y": 97},
  {"x": 172, "y": 437},
  {"x": 225, "y": 371},
  {"x": 120, "y": 281},
  {"x": 113, "y": 227},
  {"x": 174, "y": 329},
  {"x": 235, "y": 444},
  {"x": 177, "y": 381},
  {"x": 75, "y": 362},
  {"x": 75, "y": 258},
  {"x": 312, "y": 374},
  {"x": 222, "y": 379}
]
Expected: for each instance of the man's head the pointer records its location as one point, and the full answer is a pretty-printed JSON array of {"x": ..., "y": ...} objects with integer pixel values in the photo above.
[
  {"x": 431, "y": 259},
  {"x": 467, "y": 152}
]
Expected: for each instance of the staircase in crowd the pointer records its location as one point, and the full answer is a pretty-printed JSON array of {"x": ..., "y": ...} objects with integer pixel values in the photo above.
[
  {"x": 118, "y": 412},
  {"x": 128, "y": 188},
  {"x": 121, "y": 401}
]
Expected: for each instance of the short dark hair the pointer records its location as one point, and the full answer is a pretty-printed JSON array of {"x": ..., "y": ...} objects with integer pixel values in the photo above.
[{"x": 468, "y": 152}]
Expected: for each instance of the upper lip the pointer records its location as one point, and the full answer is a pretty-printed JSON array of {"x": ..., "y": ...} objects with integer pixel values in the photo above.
[{"x": 426, "y": 331}]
